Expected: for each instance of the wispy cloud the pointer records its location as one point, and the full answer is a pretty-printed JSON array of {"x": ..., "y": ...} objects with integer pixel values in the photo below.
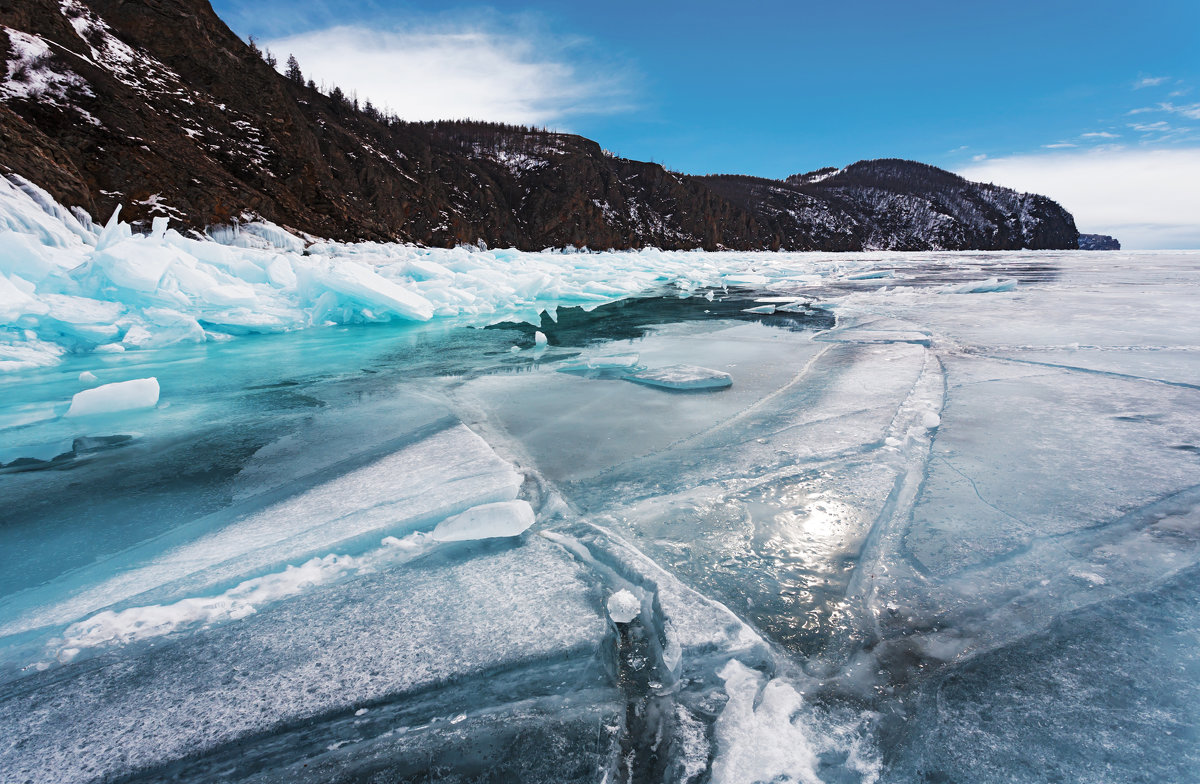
[
  {"x": 1150, "y": 81},
  {"x": 459, "y": 72},
  {"x": 1101, "y": 135},
  {"x": 1191, "y": 110},
  {"x": 1146, "y": 198},
  {"x": 1059, "y": 145}
]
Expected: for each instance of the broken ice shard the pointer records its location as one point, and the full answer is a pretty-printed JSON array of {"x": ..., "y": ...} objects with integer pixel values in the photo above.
[
  {"x": 111, "y": 398},
  {"x": 682, "y": 377},
  {"x": 487, "y": 521}
]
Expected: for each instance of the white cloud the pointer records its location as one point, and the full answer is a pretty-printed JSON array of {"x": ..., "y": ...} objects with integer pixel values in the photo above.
[
  {"x": 455, "y": 73},
  {"x": 1150, "y": 81},
  {"x": 1101, "y": 135},
  {"x": 1059, "y": 145},
  {"x": 1191, "y": 111},
  {"x": 1145, "y": 198}
]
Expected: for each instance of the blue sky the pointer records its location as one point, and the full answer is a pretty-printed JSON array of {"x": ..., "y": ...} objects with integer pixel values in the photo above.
[{"x": 774, "y": 88}]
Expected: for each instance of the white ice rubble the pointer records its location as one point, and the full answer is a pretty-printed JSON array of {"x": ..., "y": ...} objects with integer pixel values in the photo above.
[{"x": 69, "y": 286}]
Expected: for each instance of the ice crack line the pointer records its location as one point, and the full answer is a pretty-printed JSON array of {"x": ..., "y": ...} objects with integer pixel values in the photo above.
[
  {"x": 1095, "y": 371},
  {"x": 979, "y": 495}
]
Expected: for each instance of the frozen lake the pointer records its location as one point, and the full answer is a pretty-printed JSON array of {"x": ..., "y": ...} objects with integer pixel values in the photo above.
[{"x": 942, "y": 525}]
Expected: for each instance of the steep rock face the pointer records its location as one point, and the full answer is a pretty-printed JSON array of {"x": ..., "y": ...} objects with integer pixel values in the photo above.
[
  {"x": 1098, "y": 242},
  {"x": 157, "y": 105},
  {"x": 903, "y": 205}
]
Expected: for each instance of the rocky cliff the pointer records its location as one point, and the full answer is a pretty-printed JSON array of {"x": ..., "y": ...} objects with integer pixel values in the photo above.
[{"x": 157, "y": 105}]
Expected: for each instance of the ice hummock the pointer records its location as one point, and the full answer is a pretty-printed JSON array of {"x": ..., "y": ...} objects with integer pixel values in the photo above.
[{"x": 70, "y": 286}]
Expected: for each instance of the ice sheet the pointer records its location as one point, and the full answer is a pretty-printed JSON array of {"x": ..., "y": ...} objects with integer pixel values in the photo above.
[
  {"x": 946, "y": 527},
  {"x": 414, "y": 487},
  {"x": 370, "y": 643}
]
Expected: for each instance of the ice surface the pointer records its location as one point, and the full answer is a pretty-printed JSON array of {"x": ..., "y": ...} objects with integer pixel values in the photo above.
[
  {"x": 415, "y": 487},
  {"x": 382, "y": 639},
  {"x": 110, "y": 398},
  {"x": 923, "y": 537},
  {"x": 682, "y": 377},
  {"x": 486, "y": 521}
]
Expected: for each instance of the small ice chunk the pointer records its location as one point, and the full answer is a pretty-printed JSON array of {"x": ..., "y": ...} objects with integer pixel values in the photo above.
[
  {"x": 539, "y": 338},
  {"x": 487, "y": 521},
  {"x": 623, "y": 606},
  {"x": 709, "y": 295},
  {"x": 981, "y": 286},
  {"x": 682, "y": 377},
  {"x": 799, "y": 306},
  {"x": 88, "y": 377},
  {"x": 361, "y": 712},
  {"x": 514, "y": 349},
  {"x": 931, "y": 420},
  {"x": 110, "y": 398},
  {"x": 766, "y": 310},
  {"x": 749, "y": 279},
  {"x": 872, "y": 275}
]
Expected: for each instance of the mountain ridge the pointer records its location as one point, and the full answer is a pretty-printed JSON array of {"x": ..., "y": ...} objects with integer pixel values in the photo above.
[{"x": 158, "y": 105}]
